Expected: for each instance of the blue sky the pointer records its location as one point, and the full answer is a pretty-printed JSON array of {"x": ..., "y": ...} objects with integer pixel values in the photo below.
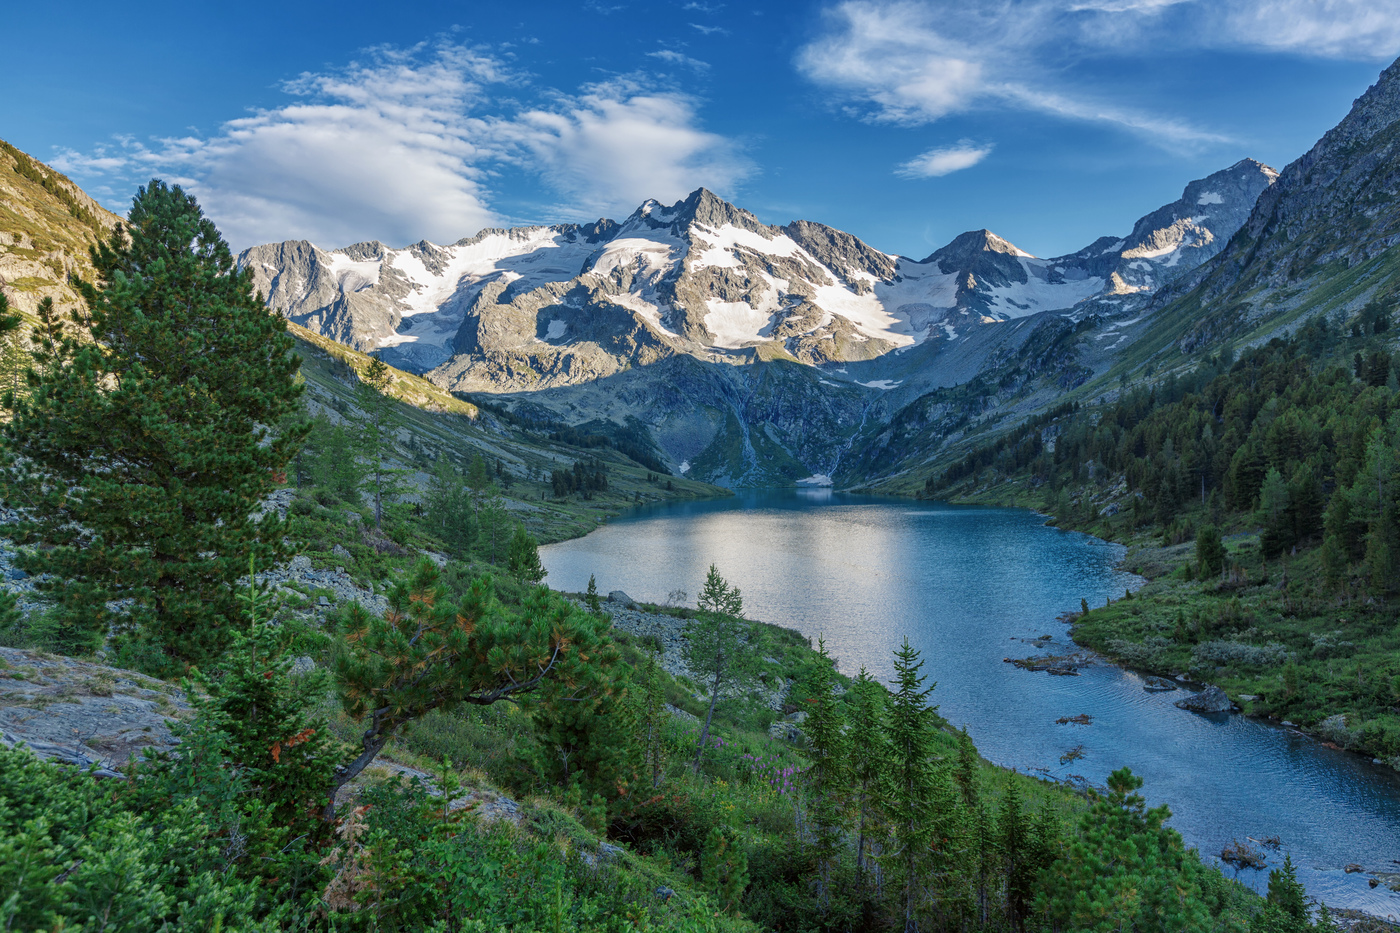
[{"x": 1051, "y": 122}]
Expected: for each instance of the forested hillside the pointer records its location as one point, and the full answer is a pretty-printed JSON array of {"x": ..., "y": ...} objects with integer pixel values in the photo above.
[{"x": 1282, "y": 468}]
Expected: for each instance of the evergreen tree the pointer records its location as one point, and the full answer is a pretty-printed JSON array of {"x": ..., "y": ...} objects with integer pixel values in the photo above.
[
  {"x": 870, "y": 768},
  {"x": 649, "y": 717},
  {"x": 826, "y": 775},
  {"x": 523, "y": 558},
  {"x": 724, "y": 867},
  {"x": 12, "y": 362},
  {"x": 590, "y": 597},
  {"x": 144, "y": 444},
  {"x": 580, "y": 726},
  {"x": 910, "y": 726},
  {"x": 965, "y": 774},
  {"x": 281, "y": 747},
  {"x": 494, "y": 525},
  {"x": 1287, "y": 909},
  {"x": 1274, "y": 515},
  {"x": 1125, "y": 870},
  {"x": 1015, "y": 845},
  {"x": 449, "y": 508},
  {"x": 1210, "y": 552},
  {"x": 332, "y": 461},
  {"x": 478, "y": 481},
  {"x": 426, "y": 653},
  {"x": 714, "y": 644},
  {"x": 376, "y": 437}
]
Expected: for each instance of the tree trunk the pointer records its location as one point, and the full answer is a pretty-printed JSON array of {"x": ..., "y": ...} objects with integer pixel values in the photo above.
[
  {"x": 705, "y": 731},
  {"x": 373, "y": 742}
]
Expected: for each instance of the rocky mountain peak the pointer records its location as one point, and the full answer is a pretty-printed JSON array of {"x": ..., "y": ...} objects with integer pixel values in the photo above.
[
  {"x": 981, "y": 253},
  {"x": 702, "y": 206},
  {"x": 841, "y": 252}
]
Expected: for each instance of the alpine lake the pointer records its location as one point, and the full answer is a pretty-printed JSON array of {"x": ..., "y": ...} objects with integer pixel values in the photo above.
[{"x": 971, "y": 586}]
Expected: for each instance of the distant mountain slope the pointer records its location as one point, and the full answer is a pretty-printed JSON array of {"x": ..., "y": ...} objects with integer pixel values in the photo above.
[
  {"x": 1321, "y": 243},
  {"x": 47, "y": 224}
]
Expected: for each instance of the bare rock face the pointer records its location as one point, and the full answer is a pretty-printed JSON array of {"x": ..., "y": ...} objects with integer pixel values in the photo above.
[{"x": 84, "y": 714}]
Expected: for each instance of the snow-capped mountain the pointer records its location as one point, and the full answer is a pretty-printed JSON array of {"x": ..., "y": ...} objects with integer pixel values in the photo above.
[{"x": 533, "y": 307}]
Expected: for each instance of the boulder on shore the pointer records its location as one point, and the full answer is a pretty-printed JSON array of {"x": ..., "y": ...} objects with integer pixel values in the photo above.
[
  {"x": 622, "y": 599},
  {"x": 1210, "y": 700}
]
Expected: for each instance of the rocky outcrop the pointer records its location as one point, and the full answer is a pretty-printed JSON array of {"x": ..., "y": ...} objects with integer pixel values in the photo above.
[
  {"x": 1210, "y": 700},
  {"x": 82, "y": 713}
]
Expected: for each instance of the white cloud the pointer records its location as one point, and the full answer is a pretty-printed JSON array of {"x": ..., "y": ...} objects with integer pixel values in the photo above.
[
  {"x": 709, "y": 30},
  {"x": 403, "y": 148},
  {"x": 915, "y": 61},
  {"x": 620, "y": 143},
  {"x": 1365, "y": 29},
  {"x": 381, "y": 150},
  {"x": 676, "y": 58},
  {"x": 945, "y": 161}
]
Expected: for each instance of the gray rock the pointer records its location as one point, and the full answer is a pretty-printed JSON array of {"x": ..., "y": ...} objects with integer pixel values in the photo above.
[
  {"x": 1210, "y": 700},
  {"x": 786, "y": 732},
  {"x": 303, "y": 665},
  {"x": 1158, "y": 685},
  {"x": 620, "y": 598},
  {"x": 83, "y": 713}
]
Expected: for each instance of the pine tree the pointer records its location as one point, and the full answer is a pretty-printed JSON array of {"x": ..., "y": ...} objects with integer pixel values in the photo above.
[
  {"x": 590, "y": 597},
  {"x": 870, "y": 768},
  {"x": 376, "y": 437},
  {"x": 724, "y": 867},
  {"x": 426, "y": 653},
  {"x": 910, "y": 726},
  {"x": 1014, "y": 846},
  {"x": 826, "y": 777},
  {"x": 280, "y": 745},
  {"x": 449, "y": 509},
  {"x": 523, "y": 558},
  {"x": 1288, "y": 903},
  {"x": 648, "y": 718},
  {"x": 579, "y": 717},
  {"x": 1124, "y": 870},
  {"x": 713, "y": 645},
  {"x": 332, "y": 461},
  {"x": 965, "y": 773},
  {"x": 1210, "y": 552},
  {"x": 494, "y": 525},
  {"x": 145, "y": 443}
]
